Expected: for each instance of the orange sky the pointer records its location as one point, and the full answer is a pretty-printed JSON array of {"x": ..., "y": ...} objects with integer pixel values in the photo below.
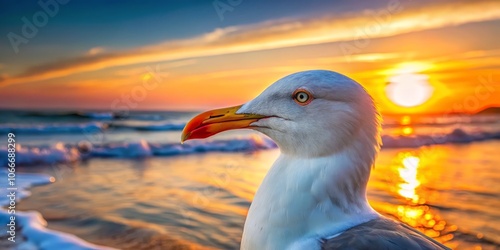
[{"x": 454, "y": 44}]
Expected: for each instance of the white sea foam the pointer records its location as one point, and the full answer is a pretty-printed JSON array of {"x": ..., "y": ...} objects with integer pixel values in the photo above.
[
  {"x": 23, "y": 181},
  {"x": 56, "y": 153}
]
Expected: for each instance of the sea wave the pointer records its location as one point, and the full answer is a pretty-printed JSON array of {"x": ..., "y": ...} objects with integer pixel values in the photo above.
[
  {"x": 83, "y": 114},
  {"x": 62, "y": 153},
  {"x": 144, "y": 149},
  {"x": 29, "y": 227},
  {"x": 88, "y": 127},
  {"x": 442, "y": 121},
  {"x": 455, "y": 136},
  {"x": 56, "y": 153},
  {"x": 150, "y": 126},
  {"x": 97, "y": 115},
  {"x": 92, "y": 115},
  {"x": 53, "y": 128}
]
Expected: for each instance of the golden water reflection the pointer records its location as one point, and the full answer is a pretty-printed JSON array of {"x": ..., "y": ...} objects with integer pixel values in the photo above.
[
  {"x": 408, "y": 173},
  {"x": 416, "y": 213},
  {"x": 407, "y": 130},
  {"x": 405, "y": 120}
]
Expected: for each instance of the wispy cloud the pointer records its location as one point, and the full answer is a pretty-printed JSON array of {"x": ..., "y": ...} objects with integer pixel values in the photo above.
[
  {"x": 164, "y": 67},
  {"x": 368, "y": 57},
  {"x": 273, "y": 34},
  {"x": 95, "y": 50}
]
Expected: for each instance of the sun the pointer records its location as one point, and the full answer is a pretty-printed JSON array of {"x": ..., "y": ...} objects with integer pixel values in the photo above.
[{"x": 407, "y": 88}]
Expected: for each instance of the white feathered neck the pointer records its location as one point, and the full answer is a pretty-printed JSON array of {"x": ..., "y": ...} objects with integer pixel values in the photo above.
[{"x": 302, "y": 200}]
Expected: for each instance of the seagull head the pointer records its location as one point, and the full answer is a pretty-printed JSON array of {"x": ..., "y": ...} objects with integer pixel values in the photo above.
[{"x": 309, "y": 114}]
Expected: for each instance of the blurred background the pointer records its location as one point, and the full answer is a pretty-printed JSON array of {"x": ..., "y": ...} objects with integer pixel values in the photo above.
[{"x": 96, "y": 93}]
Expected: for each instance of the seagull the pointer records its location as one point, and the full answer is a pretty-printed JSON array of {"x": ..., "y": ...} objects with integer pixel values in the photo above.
[{"x": 327, "y": 128}]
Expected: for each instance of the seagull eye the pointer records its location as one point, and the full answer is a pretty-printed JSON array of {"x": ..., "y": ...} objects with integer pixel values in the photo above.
[{"x": 302, "y": 97}]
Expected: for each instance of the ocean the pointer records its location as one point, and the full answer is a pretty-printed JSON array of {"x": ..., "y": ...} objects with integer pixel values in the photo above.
[{"x": 99, "y": 180}]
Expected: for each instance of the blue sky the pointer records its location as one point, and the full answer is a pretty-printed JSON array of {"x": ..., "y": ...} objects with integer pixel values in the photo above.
[{"x": 81, "y": 25}]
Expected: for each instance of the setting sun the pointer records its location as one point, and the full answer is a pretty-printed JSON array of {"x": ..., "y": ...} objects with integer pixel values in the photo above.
[{"x": 409, "y": 89}]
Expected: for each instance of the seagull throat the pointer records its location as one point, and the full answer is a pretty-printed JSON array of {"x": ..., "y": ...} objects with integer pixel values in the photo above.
[{"x": 304, "y": 199}]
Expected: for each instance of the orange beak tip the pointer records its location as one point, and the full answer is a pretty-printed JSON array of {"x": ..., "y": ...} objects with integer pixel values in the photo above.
[{"x": 185, "y": 136}]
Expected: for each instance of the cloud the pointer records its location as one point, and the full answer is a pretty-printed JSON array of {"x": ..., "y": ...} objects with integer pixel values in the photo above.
[
  {"x": 388, "y": 21},
  {"x": 164, "y": 67},
  {"x": 95, "y": 50},
  {"x": 369, "y": 57}
]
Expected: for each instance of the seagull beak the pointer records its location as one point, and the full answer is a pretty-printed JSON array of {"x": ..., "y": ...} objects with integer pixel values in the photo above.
[{"x": 215, "y": 121}]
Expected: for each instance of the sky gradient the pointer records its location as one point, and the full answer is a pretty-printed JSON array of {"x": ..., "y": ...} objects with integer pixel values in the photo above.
[{"x": 194, "y": 55}]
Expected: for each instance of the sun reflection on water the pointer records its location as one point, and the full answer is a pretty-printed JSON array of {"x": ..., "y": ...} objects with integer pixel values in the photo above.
[
  {"x": 416, "y": 213},
  {"x": 408, "y": 173},
  {"x": 407, "y": 130},
  {"x": 405, "y": 120}
]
